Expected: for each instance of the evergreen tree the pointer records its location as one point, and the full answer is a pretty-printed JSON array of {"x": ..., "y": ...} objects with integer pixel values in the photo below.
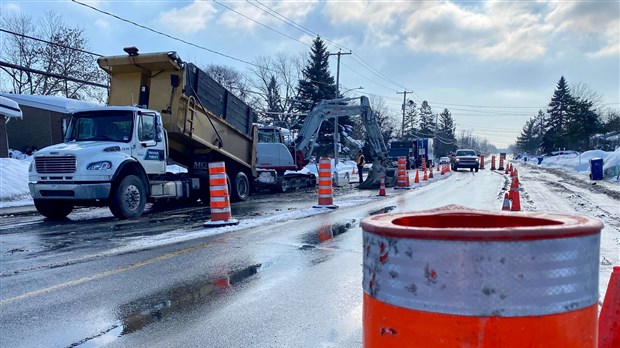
[
  {"x": 558, "y": 111},
  {"x": 427, "y": 121},
  {"x": 445, "y": 140},
  {"x": 582, "y": 122},
  {"x": 315, "y": 85},
  {"x": 528, "y": 140},
  {"x": 411, "y": 120}
]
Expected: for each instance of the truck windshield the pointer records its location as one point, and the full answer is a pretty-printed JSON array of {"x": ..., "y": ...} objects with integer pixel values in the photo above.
[
  {"x": 466, "y": 153},
  {"x": 101, "y": 125}
]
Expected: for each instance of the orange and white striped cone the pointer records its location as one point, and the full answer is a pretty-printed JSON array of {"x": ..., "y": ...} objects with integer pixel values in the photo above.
[
  {"x": 414, "y": 294},
  {"x": 416, "y": 180},
  {"x": 423, "y": 163},
  {"x": 492, "y": 162},
  {"x": 501, "y": 163},
  {"x": 218, "y": 197},
  {"x": 326, "y": 199},
  {"x": 443, "y": 169},
  {"x": 430, "y": 173},
  {"x": 438, "y": 167},
  {"x": 407, "y": 179},
  {"x": 425, "y": 176},
  {"x": 382, "y": 187},
  {"x": 402, "y": 179},
  {"x": 506, "y": 203}
]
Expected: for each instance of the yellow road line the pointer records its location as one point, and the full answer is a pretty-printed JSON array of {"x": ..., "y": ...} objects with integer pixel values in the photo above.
[{"x": 104, "y": 274}]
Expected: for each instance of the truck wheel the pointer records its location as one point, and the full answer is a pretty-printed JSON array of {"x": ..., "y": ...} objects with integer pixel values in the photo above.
[
  {"x": 455, "y": 168},
  {"x": 129, "y": 198},
  {"x": 240, "y": 187},
  {"x": 53, "y": 209},
  {"x": 476, "y": 169}
]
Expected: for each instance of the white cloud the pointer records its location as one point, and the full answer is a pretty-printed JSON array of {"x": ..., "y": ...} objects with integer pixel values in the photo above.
[
  {"x": 269, "y": 13},
  {"x": 189, "y": 19},
  {"x": 10, "y": 7},
  {"x": 102, "y": 24},
  {"x": 490, "y": 30}
]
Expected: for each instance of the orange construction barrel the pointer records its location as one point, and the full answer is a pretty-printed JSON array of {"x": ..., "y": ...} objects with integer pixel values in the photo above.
[{"x": 458, "y": 277}]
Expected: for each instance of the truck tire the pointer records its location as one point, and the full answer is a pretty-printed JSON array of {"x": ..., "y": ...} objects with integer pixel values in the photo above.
[
  {"x": 129, "y": 198},
  {"x": 455, "y": 168},
  {"x": 240, "y": 187},
  {"x": 53, "y": 209},
  {"x": 476, "y": 169}
]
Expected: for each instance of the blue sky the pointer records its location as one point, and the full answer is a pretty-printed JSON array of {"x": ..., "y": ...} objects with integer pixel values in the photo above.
[{"x": 492, "y": 63}]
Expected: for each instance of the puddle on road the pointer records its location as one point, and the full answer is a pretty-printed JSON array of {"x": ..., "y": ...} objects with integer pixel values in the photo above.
[
  {"x": 324, "y": 233},
  {"x": 383, "y": 210},
  {"x": 146, "y": 311}
]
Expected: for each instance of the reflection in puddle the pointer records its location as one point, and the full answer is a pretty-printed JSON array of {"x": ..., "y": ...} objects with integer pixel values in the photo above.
[
  {"x": 324, "y": 233},
  {"x": 143, "y": 312},
  {"x": 383, "y": 210}
]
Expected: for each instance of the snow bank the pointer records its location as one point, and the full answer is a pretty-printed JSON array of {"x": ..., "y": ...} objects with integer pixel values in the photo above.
[
  {"x": 580, "y": 162},
  {"x": 13, "y": 179}
]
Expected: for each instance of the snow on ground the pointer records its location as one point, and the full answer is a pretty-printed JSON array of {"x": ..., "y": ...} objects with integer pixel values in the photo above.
[
  {"x": 14, "y": 182},
  {"x": 580, "y": 162}
]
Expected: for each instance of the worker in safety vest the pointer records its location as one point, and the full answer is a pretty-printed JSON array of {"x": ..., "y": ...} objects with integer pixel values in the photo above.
[{"x": 360, "y": 164}]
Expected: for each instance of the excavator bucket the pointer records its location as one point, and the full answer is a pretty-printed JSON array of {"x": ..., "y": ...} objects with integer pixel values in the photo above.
[{"x": 379, "y": 169}]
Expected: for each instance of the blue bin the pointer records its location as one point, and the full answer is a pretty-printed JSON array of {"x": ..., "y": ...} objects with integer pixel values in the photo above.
[
  {"x": 540, "y": 159},
  {"x": 596, "y": 169}
]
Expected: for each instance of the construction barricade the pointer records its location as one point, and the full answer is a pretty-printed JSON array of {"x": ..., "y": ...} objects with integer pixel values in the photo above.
[
  {"x": 492, "y": 162},
  {"x": 326, "y": 192},
  {"x": 402, "y": 178},
  {"x": 219, "y": 200},
  {"x": 481, "y": 161},
  {"x": 458, "y": 277}
]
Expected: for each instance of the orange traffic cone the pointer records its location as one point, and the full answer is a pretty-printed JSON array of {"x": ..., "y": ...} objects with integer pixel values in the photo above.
[
  {"x": 407, "y": 180},
  {"x": 326, "y": 199},
  {"x": 218, "y": 197},
  {"x": 437, "y": 166},
  {"x": 506, "y": 204},
  {"x": 430, "y": 173},
  {"x": 417, "y": 177},
  {"x": 516, "y": 200},
  {"x": 443, "y": 169},
  {"x": 609, "y": 319},
  {"x": 382, "y": 186},
  {"x": 507, "y": 167},
  {"x": 425, "y": 176}
]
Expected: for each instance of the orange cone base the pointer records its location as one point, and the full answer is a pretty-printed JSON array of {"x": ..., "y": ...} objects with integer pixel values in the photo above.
[
  {"x": 386, "y": 325},
  {"x": 221, "y": 223},
  {"x": 329, "y": 206}
]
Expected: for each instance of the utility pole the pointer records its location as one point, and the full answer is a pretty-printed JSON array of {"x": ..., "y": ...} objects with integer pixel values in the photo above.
[
  {"x": 402, "y": 127},
  {"x": 336, "y": 133}
]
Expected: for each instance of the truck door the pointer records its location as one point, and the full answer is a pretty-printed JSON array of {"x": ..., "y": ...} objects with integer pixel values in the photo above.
[{"x": 150, "y": 147}]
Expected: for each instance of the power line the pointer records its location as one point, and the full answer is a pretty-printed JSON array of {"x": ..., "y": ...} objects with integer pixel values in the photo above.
[
  {"x": 45, "y": 73},
  {"x": 50, "y": 42}
]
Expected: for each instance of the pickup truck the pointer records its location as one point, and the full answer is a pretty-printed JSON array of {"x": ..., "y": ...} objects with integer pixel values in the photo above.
[{"x": 465, "y": 158}]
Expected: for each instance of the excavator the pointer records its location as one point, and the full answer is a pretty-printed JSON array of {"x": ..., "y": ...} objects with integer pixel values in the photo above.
[{"x": 270, "y": 152}]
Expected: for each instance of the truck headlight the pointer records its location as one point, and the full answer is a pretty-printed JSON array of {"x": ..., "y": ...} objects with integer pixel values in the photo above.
[
  {"x": 101, "y": 165},
  {"x": 458, "y": 159}
]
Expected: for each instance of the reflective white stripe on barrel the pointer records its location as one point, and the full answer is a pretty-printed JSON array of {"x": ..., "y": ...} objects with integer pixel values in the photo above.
[
  {"x": 485, "y": 278},
  {"x": 218, "y": 188}
]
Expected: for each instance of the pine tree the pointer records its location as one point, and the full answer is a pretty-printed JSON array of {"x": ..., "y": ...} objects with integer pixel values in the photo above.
[
  {"x": 558, "y": 111},
  {"x": 582, "y": 122},
  {"x": 528, "y": 141},
  {"x": 318, "y": 84},
  {"x": 411, "y": 120},
  {"x": 445, "y": 139},
  {"x": 427, "y": 121}
]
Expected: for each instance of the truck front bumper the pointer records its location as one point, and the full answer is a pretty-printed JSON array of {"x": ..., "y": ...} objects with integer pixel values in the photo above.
[{"x": 70, "y": 191}]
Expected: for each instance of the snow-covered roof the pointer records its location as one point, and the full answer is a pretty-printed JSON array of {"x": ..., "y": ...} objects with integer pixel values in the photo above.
[
  {"x": 9, "y": 108},
  {"x": 48, "y": 102}
]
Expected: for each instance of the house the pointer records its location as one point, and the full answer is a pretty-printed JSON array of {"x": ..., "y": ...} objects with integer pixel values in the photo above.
[
  {"x": 8, "y": 109},
  {"x": 44, "y": 122}
]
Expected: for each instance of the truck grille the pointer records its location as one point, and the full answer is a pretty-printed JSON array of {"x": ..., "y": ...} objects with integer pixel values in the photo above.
[{"x": 52, "y": 165}]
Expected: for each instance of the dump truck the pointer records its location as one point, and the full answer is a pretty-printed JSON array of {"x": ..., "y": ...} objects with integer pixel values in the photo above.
[{"x": 163, "y": 111}]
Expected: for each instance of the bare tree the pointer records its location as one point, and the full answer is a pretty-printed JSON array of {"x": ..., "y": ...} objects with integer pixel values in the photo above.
[
  {"x": 232, "y": 79},
  {"x": 55, "y": 51},
  {"x": 583, "y": 91},
  {"x": 285, "y": 69}
]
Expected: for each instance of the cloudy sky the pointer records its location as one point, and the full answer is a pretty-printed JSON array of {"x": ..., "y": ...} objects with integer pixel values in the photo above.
[{"x": 493, "y": 64}]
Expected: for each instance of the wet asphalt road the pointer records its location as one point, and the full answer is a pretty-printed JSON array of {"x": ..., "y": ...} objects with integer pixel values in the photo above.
[{"x": 295, "y": 282}]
